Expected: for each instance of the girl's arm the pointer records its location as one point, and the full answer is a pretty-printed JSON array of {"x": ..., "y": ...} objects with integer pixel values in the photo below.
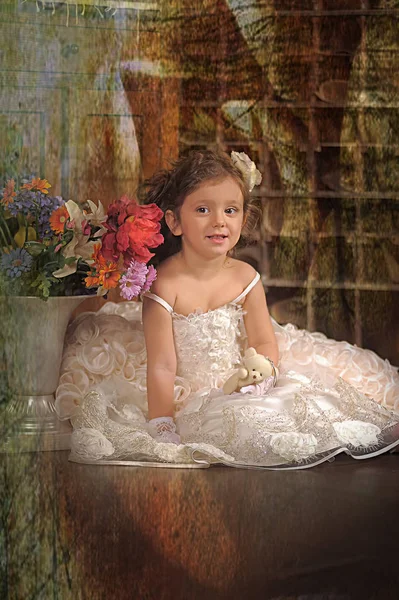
[
  {"x": 161, "y": 359},
  {"x": 258, "y": 324}
]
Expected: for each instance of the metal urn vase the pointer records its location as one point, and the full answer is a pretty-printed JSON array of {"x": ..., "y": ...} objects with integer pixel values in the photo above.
[{"x": 32, "y": 337}]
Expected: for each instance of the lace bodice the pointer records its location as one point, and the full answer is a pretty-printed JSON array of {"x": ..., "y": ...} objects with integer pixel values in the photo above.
[{"x": 208, "y": 344}]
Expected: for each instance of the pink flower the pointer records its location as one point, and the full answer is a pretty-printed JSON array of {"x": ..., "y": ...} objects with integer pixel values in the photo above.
[
  {"x": 86, "y": 229},
  {"x": 138, "y": 279},
  {"x": 131, "y": 284},
  {"x": 151, "y": 277}
]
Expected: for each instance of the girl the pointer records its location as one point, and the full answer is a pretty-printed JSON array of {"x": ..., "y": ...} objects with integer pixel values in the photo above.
[{"x": 204, "y": 308}]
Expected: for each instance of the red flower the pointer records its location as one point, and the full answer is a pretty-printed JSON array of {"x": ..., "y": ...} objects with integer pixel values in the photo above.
[
  {"x": 122, "y": 238},
  {"x": 132, "y": 229},
  {"x": 143, "y": 234},
  {"x": 109, "y": 246},
  {"x": 120, "y": 210}
]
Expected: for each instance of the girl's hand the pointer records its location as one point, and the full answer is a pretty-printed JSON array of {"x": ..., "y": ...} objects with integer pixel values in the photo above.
[{"x": 258, "y": 389}]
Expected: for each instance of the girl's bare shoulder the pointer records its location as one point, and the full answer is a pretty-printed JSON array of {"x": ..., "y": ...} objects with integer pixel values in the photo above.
[
  {"x": 242, "y": 270},
  {"x": 165, "y": 285}
]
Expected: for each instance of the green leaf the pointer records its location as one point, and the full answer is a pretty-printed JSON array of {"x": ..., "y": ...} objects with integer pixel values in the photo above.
[
  {"x": 42, "y": 284},
  {"x": 67, "y": 237},
  {"x": 34, "y": 248}
]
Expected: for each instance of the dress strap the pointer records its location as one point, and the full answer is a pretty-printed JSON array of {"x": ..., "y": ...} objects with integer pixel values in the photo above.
[
  {"x": 247, "y": 289},
  {"x": 159, "y": 300}
]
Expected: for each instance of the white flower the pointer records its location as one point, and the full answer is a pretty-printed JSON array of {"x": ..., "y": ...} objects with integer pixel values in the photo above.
[
  {"x": 90, "y": 444},
  {"x": 357, "y": 433},
  {"x": 294, "y": 446},
  {"x": 76, "y": 214},
  {"x": 79, "y": 246},
  {"x": 97, "y": 215},
  {"x": 248, "y": 169}
]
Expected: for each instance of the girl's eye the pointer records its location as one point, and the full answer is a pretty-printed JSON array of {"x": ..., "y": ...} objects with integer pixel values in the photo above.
[{"x": 204, "y": 210}]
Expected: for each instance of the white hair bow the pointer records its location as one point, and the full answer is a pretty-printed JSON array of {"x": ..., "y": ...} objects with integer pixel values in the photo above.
[{"x": 250, "y": 173}]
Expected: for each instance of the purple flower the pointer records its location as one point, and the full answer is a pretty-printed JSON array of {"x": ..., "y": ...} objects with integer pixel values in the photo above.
[
  {"x": 16, "y": 262},
  {"x": 151, "y": 277},
  {"x": 138, "y": 279},
  {"x": 132, "y": 283}
]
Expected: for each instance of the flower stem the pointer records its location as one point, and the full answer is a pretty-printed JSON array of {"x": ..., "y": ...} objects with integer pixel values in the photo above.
[
  {"x": 4, "y": 224},
  {"x": 4, "y": 237}
]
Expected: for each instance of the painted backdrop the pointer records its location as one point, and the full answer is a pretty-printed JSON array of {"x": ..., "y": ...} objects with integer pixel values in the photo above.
[{"x": 97, "y": 95}]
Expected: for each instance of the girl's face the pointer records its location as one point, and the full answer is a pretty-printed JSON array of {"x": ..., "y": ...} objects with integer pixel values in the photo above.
[{"x": 211, "y": 218}]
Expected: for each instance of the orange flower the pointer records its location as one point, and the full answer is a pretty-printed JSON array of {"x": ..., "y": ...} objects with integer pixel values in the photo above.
[
  {"x": 98, "y": 258},
  {"x": 91, "y": 281},
  {"x": 105, "y": 274},
  {"x": 37, "y": 184},
  {"x": 58, "y": 219},
  {"x": 9, "y": 192},
  {"x": 109, "y": 276}
]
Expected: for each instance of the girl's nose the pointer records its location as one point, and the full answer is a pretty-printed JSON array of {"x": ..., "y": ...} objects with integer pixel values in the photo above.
[{"x": 219, "y": 221}]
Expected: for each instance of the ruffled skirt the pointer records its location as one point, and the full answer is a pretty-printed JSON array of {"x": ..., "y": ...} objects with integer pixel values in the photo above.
[{"x": 331, "y": 397}]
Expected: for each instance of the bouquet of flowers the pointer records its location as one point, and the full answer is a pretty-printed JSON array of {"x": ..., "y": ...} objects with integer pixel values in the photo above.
[{"x": 49, "y": 247}]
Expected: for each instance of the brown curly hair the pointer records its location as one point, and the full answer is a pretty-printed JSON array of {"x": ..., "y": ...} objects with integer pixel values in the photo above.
[{"x": 168, "y": 189}]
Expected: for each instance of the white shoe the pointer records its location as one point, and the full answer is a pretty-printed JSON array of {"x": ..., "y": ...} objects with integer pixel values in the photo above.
[{"x": 163, "y": 429}]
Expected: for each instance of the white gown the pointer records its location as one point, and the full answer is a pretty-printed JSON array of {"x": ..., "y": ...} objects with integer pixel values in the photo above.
[{"x": 331, "y": 396}]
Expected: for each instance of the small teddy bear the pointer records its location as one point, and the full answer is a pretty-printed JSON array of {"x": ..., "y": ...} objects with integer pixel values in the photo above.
[{"x": 256, "y": 368}]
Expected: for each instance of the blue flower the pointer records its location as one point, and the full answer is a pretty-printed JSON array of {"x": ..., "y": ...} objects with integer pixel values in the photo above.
[
  {"x": 16, "y": 262},
  {"x": 36, "y": 205}
]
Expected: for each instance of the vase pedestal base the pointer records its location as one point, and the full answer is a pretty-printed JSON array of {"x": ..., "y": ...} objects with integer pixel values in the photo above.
[
  {"x": 30, "y": 424},
  {"x": 32, "y": 339}
]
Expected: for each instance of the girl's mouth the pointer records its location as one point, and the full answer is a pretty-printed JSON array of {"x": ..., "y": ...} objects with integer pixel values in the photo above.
[{"x": 217, "y": 239}]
